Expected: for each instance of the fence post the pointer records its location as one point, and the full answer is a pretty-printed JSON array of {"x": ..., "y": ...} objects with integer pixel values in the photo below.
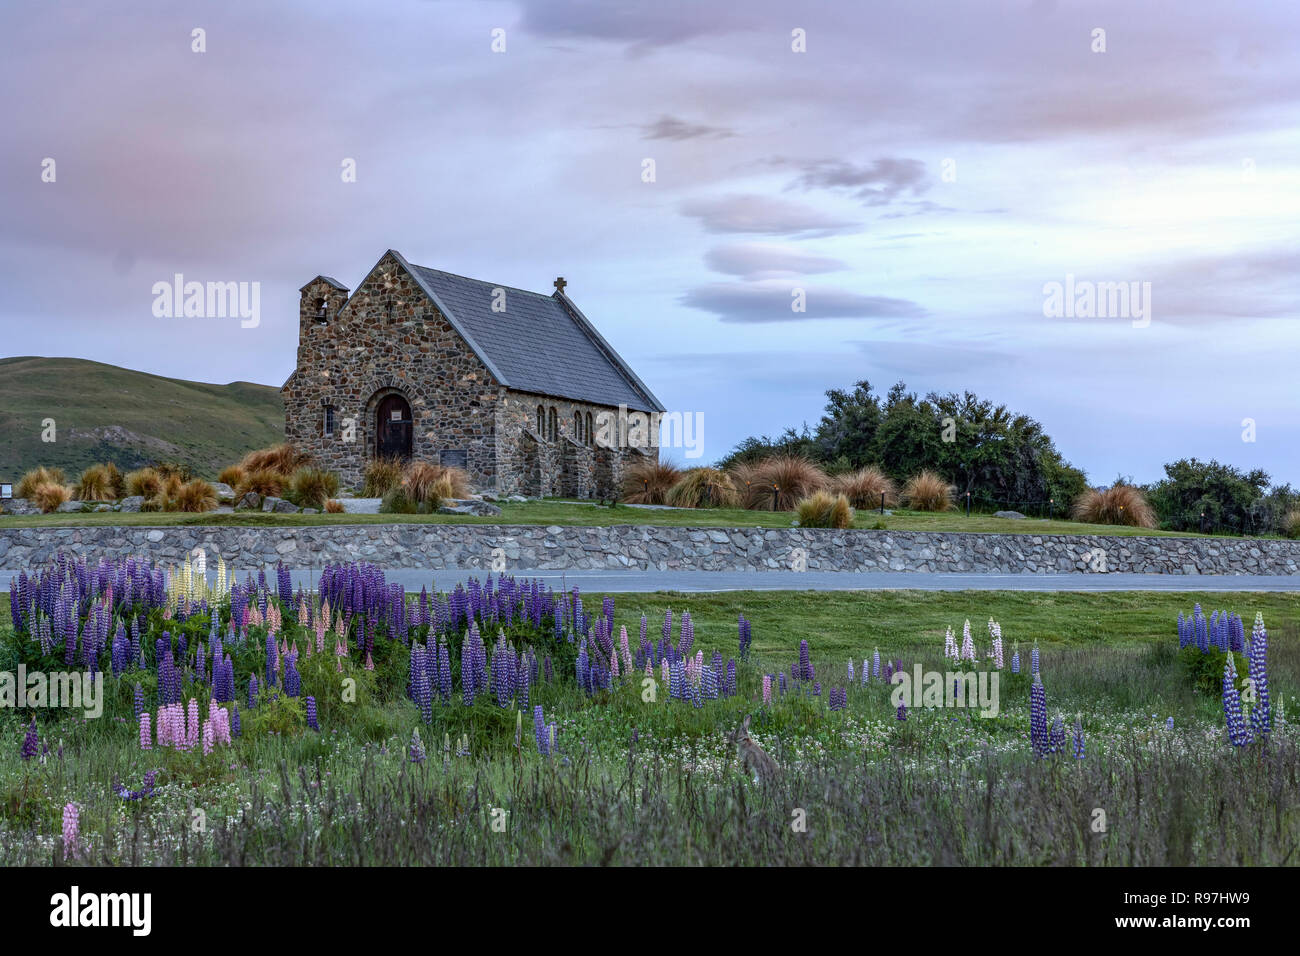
[
  {"x": 968, "y": 504},
  {"x": 882, "y": 502},
  {"x": 776, "y": 490},
  {"x": 1051, "y": 508}
]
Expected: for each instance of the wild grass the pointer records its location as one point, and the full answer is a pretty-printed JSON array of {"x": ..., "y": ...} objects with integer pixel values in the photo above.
[
  {"x": 144, "y": 481},
  {"x": 266, "y": 482},
  {"x": 312, "y": 487},
  {"x": 928, "y": 492},
  {"x": 822, "y": 509},
  {"x": 333, "y": 507},
  {"x": 433, "y": 484},
  {"x": 48, "y": 495},
  {"x": 29, "y": 482},
  {"x": 864, "y": 488},
  {"x": 380, "y": 476},
  {"x": 703, "y": 488},
  {"x": 284, "y": 458},
  {"x": 95, "y": 484},
  {"x": 648, "y": 482},
  {"x": 1118, "y": 505},
  {"x": 783, "y": 481},
  {"x": 233, "y": 475},
  {"x": 195, "y": 496}
]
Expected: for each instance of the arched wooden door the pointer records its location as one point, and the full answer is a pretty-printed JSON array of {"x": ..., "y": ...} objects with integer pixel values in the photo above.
[{"x": 393, "y": 428}]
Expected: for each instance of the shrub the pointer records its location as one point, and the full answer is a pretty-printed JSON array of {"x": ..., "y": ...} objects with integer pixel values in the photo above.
[
  {"x": 29, "y": 482},
  {"x": 48, "y": 495},
  {"x": 334, "y": 507},
  {"x": 1119, "y": 504},
  {"x": 928, "y": 492},
  {"x": 1291, "y": 524},
  {"x": 144, "y": 481},
  {"x": 396, "y": 501},
  {"x": 173, "y": 469},
  {"x": 822, "y": 509},
  {"x": 381, "y": 475},
  {"x": 262, "y": 481},
  {"x": 790, "y": 478},
  {"x": 744, "y": 478},
  {"x": 703, "y": 488},
  {"x": 648, "y": 482},
  {"x": 312, "y": 487},
  {"x": 284, "y": 459},
  {"x": 116, "y": 481},
  {"x": 195, "y": 495},
  {"x": 864, "y": 487},
  {"x": 233, "y": 475},
  {"x": 96, "y": 484},
  {"x": 425, "y": 481}
]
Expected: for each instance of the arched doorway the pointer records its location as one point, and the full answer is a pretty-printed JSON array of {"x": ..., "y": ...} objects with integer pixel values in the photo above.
[{"x": 393, "y": 428}]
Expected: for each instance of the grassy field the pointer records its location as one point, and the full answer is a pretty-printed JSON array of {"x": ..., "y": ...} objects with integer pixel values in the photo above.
[
  {"x": 554, "y": 512},
  {"x": 105, "y": 413},
  {"x": 637, "y": 781}
]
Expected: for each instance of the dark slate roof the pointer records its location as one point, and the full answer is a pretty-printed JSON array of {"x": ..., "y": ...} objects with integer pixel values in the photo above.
[
  {"x": 332, "y": 281},
  {"x": 541, "y": 343}
]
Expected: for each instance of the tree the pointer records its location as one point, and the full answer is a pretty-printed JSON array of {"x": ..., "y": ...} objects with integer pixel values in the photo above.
[{"x": 1195, "y": 494}]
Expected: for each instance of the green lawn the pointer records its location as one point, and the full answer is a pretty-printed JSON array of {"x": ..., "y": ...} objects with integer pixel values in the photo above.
[{"x": 555, "y": 512}]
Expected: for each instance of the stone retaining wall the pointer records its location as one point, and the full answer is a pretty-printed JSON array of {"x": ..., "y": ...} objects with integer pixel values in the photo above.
[{"x": 533, "y": 547}]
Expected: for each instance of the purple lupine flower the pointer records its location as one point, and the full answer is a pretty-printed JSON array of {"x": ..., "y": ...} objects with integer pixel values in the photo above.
[
  {"x": 311, "y": 714},
  {"x": 1038, "y": 733},
  {"x": 805, "y": 664},
  {"x": 540, "y": 731},
  {"x": 416, "y": 748},
  {"x": 1033, "y": 660},
  {"x": 1261, "y": 714},
  {"x": 1238, "y": 732},
  {"x": 252, "y": 691},
  {"x": 292, "y": 679},
  {"x": 31, "y": 743},
  {"x": 1056, "y": 739},
  {"x": 875, "y": 663},
  {"x": 235, "y": 728},
  {"x": 1015, "y": 661},
  {"x": 138, "y": 701},
  {"x": 902, "y": 711},
  {"x": 746, "y": 638},
  {"x": 272, "y": 654},
  {"x": 1078, "y": 738}
]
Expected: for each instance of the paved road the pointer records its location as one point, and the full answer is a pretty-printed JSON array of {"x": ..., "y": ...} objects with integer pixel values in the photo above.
[{"x": 644, "y": 581}]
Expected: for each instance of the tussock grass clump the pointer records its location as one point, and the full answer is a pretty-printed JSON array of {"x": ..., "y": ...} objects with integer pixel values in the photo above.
[
  {"x": 195, "y": 495},
  {"x": 48, "y": 495},
  {"x": 928, "y": 492},
  {"x": 233, "y": 475},
  {"x": 283, "y": 458},
  {"x": 381, "y": 476},
  {"x": 266, "y": 482},
  {"x": 144, "y": 481},
  {"x": 790, "y": 478},
  {"x": 648, "y": 482},
  {"x": 426, "y": 482},
  {"x": 312, "y": 487},
  {"x": 333, "y": 507},
  {"x": 29, "y": 482},
  {"x": 397, "y": 501},
  {"x": 864, "y": 487},
  {"x": 703, "y": 488},
  {"x": 173, "y": 469},
  {"x": 1118, "y": 504},
  {"x": 822, "y": 509},
  {"x": 1291, "y": 524},
  {"x": 95, "y": 484}
]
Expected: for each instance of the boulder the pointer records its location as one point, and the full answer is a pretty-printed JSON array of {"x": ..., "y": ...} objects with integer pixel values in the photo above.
[
  {"x": 69, "y": 506},
  {"x": 279, "y": 505},
  {"x": 19, "y": 506},
  {"x": 1007, "y": 514},
  {"x": 518, "y": 499},
  {"x": 224, "y": 491},
  {"x": 131, "y": 504},
  {"x": 468, "y": 506},
  {"x": 311, "y": 511},
  {"x": 251, "y": 501}
]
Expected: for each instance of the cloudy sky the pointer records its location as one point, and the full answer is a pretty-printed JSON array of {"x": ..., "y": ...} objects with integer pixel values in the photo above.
[{"x": 921, "y": 171}]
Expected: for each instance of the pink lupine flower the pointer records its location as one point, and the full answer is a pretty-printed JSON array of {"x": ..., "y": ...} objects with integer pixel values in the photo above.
[
  {"x": 192, "y": 725},
  {"x": 370, "y": 664},
  {"x": 613, "y": 665},
  {"x": 649, "y": 670},
  {"x": 71, "y": 829},
  {"x": 207, "y": 737},
  {"x": 622, "y": 646},
  {"x": 663, "y": 670},
  {"x": 767, "y": 688},
  {"x": 146, "y": 733}
]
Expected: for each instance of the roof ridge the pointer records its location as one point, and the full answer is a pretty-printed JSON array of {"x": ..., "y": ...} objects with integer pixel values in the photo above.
[{"x": 495, "y": 285}]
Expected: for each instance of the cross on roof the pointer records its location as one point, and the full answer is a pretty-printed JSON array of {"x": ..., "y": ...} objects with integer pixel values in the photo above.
[{"x": 560, "y": 284}]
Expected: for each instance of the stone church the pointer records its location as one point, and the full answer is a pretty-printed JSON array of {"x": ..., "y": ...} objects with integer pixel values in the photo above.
[{"x": 422, "y": 364}]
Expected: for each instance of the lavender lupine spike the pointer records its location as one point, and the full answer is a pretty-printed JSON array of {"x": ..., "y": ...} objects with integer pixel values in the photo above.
[
  {"x": 1238, "y": 732},
  {"x": 875, "y": 664},
  {"x": 949, "y": 645},
  {"x": 1261, "y": 712},
  {"x": 967, "y": 642},
  {"x": 1033, "y": 659},
  {"x": 1015, "y": 659},
  {"x": 540, "y": 731},
  {"x": 416, "y": 748},
  {"x": 995, "y": 632},
  {"x": 1038, "y": 733},
  {"x": 312, "y": 722},
  {"x": 31, "y": 743},
  {"x": 1078, "y": 748}
]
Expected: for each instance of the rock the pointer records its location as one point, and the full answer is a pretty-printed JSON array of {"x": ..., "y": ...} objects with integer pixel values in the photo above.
[
  {"x": 279, "y": 505},
  {"x": 1007, "y": 514},
  {"x": 224, "y": 491},
  {"x": 468, "y": 506},
  {"x": 251, "y": 501},
  {"x": 310, "y": 511},
  {"x": 488, "y": 496},
  {"x": 69, "y": 506},
  {"x": 103, "y": 507},
  {"x": 518, "y": 499},
  {"x": 131, "y": 504},
  {"x": 19, "y": 506}
]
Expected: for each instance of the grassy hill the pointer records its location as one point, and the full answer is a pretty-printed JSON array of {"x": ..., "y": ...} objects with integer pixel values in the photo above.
[{"x": 106, "y": 413}]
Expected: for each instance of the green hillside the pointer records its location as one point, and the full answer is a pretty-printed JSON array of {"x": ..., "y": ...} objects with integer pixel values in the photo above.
[{"x": 106, "y": 413}]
